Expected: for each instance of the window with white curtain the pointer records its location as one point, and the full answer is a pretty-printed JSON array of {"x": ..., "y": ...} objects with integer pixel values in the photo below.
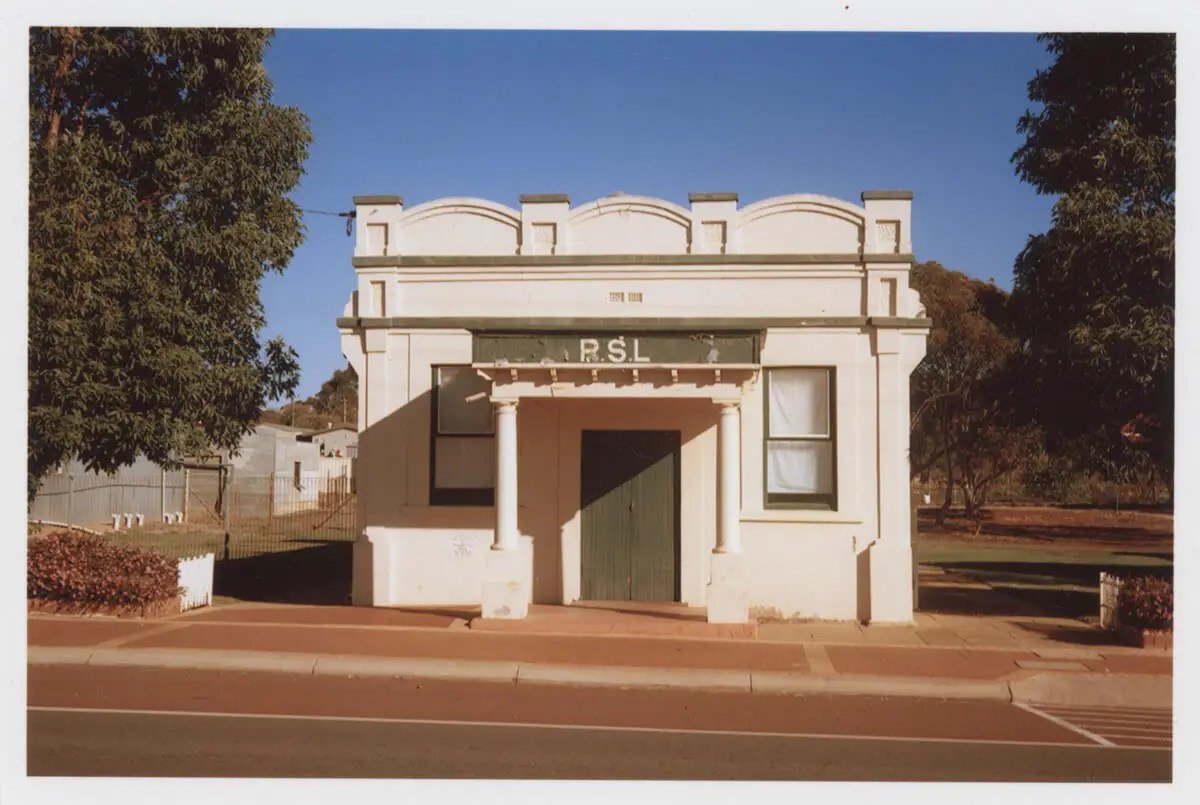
[
  {"x": 799, "y": 442},
  {"x": 462, "y": 444}
]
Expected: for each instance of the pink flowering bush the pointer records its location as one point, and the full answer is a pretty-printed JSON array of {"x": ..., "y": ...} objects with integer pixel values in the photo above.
[{"x": 1147, "y": 602}]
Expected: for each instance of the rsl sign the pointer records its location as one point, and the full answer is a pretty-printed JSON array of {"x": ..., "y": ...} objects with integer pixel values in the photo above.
[{"x": 615, "y": 348}]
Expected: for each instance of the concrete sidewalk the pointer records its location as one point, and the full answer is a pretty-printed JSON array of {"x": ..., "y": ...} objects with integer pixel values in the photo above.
[{"x": 782, "y": 659}]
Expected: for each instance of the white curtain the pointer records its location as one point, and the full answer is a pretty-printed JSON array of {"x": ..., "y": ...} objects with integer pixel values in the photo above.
[
  {"x": 800, "y": 468},
  {"x": 799, "y": 403},
  {"x": 463, "y": 405},
  {"x": 464, "y": 463}
]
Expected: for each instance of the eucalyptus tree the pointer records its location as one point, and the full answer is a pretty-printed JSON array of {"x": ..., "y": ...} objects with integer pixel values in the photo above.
[
  {"x": 159, "y": 174},
  {"x": 1094, "y": 296}
]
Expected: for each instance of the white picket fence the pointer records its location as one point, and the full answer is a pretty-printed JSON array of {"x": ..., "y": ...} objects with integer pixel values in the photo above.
[
  {"x": 196, "y": 579},
  {"x": 1110, "y": 597}
]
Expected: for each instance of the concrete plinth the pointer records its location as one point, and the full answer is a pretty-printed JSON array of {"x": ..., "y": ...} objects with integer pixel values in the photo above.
[
  {"x": 728, "y": 601},
  {"x": 507, "y": 584},
  {"x": 891, "y": 598}
]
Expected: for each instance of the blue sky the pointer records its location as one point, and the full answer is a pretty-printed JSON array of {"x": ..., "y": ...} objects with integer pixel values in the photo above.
[{"x": 495, "y": 114}]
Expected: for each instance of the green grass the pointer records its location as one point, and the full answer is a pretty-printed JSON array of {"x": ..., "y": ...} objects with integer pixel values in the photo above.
[
  {"x": 1060, "y": 581},
  {"x": 939, "y": 552}
]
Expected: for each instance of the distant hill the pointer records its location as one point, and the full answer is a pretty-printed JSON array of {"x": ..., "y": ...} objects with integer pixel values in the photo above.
[{"x": 335, "y": 403}]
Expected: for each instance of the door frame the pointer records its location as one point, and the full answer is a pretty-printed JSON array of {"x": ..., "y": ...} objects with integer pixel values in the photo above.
[
  {"x": 697, "y": 421},
  {"x": 676, "y": 500}
]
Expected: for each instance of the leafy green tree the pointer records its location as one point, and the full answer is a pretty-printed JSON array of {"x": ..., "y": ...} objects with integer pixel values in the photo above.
[
  {"x": 335, "y": 402},
  {"x": 159, "y": 174},
  {"x": 1094, "y": 296},
  {"x": 338, "y": 396},
  {"x": 959, "y": 420}
]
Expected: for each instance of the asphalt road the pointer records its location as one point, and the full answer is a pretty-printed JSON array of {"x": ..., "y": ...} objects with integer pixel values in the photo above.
[{"x": 142, "y": 722}]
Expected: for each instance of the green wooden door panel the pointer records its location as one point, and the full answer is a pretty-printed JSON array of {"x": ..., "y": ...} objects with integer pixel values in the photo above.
[{"x": 630, "y": 515}]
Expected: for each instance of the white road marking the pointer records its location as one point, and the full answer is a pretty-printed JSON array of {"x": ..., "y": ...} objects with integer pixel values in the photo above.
[
  {"x": 1110, "y": 712},
  {"x": 590, "y": 727},
  {"x": 1114, "y": 720},
  {"x": 1100, "y": 725},
  {"x": 1124, "y": 737},
  {"x": 1065, "y": 724}
]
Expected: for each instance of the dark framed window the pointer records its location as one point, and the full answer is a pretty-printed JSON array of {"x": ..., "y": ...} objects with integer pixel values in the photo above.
[
  {"x": 461, "y": 440},
  {"x": 799, "y": 438}
]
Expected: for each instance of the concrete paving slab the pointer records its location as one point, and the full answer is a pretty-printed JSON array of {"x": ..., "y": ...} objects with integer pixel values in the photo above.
[
  {"x": 940, "y": 637},
  {"x": 783, "y": 632},
  {"x": 891, "y": 636},
  {"x": 205, "y": 659},
  {"x": 923, "y": 662},
  {"x": 1150, "y": 663},
  {"x": 794, "y": 684},
  {"x": 59, "y": 655},
  {"x": 1051, "y": 665},
  {"x": 65, "y": 630},
  {"x": 406, "y": 668},
  {"x": 944, "y": 679},
  {"x": 1066, "y": 654},
  {"x": 1094, "y": 690},
  {"x": 433, "y": 618},
  {"x": 691, "y": 678}
]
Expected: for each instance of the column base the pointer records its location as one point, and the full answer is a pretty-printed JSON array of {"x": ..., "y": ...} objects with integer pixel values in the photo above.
[
  {"x": 370, "y": 573},
  {"x": 891, "y": 568},
  {"x": 507, "y": 583},
  {"x": 728, "y": 601}
]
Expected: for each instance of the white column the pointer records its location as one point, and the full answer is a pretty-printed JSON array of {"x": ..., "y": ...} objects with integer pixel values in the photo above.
[
  {"x": 729, "y": 480},
  {"x": 506, "y": 476},
  {"x": 891, "y": 559}
]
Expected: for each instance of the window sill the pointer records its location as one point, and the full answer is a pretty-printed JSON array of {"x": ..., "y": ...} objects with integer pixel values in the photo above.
[{"x": 800, "y": 515}]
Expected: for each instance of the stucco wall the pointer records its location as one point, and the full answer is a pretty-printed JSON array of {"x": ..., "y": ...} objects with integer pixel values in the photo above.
[{"x": 838, "y": 264}]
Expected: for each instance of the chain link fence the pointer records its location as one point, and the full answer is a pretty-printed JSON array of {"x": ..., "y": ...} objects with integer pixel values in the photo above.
[{"x": 270, "y": 534}]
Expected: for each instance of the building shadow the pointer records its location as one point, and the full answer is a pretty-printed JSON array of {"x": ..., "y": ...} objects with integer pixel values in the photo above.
[
  {"x": 319, "y": 574},
  {"x": 948, "y": 599},
  {"x": 1082, "y": 635}
]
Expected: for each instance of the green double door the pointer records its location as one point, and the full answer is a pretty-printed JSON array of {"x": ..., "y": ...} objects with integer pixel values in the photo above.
[{"x": 630, "y": 515}]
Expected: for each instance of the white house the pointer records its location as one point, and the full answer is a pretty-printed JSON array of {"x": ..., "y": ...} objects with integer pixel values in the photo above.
[
  {"x": 335, "y": 440},
  {"x": 284, "y": 470},
  {"x": 633, "y": 400}
]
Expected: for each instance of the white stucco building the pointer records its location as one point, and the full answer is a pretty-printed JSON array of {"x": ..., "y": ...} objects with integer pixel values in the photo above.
[{"x": 629, "y": 399}]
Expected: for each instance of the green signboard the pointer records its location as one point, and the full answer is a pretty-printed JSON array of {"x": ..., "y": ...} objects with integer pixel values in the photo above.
[{"x": 631, "y": 348}]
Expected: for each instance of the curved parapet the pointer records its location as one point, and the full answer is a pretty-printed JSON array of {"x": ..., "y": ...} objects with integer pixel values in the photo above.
[
  {"x": 459, "y": 226},
  {"x": 800, "y": 224},
  {"x": 625, "y": 224}
]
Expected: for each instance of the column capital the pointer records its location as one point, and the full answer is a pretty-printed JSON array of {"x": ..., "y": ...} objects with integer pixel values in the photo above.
[
  {"x": 729, "y": 406},
  {"x": 504, "y": 403},
  {"x": 885, "y": 342},
  {"x": 375, "y": 341}
]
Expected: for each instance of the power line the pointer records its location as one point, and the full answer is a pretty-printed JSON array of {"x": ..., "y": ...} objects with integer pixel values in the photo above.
[{"x": 349, "y": 216}]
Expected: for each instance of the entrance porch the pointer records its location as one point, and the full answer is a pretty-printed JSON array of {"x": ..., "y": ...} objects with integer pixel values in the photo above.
[{"x": 631, "y": 474}]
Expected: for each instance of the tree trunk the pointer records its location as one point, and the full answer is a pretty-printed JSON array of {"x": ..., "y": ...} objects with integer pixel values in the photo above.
[
  {"x": 949, "y": 500},
  {"x": 57, "y": 91},
  {"x": 973, "y": 504}
]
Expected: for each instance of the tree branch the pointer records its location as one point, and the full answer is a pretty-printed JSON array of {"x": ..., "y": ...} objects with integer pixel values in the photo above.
[{"x": 66, "y": 55}]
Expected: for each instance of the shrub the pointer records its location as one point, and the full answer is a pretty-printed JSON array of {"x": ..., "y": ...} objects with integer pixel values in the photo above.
[
  {"x": 1147, "y": 602},
  {"x": 86, "y": 569},
  {"x": 1047, "y": 477}
]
